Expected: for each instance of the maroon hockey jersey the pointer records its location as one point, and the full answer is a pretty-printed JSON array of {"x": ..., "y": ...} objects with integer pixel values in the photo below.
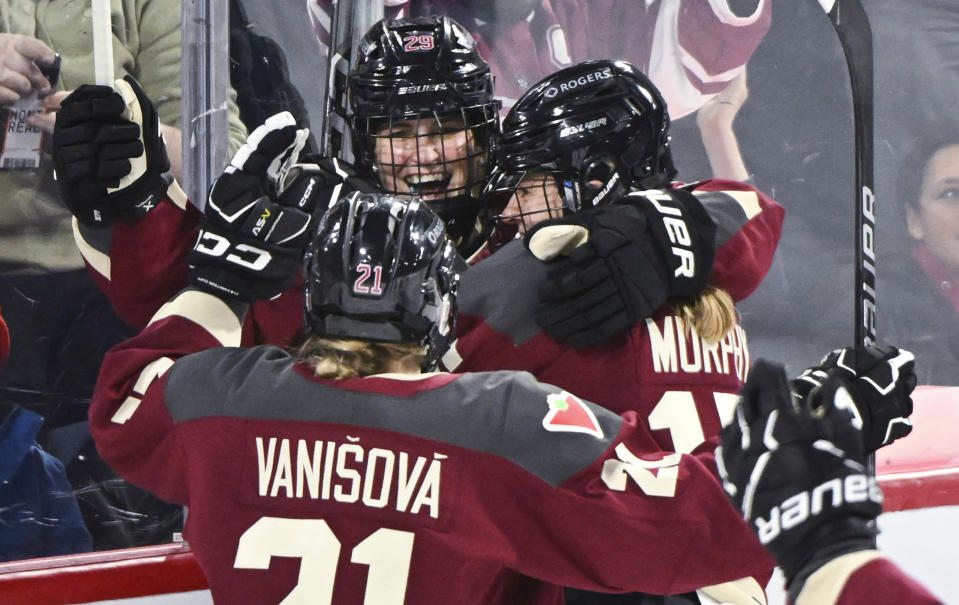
[
  {"x": 691, "y": 49},
  {"x": 142, "y": 265},
  {"x": 681, "y": 388},
  {"x": 658, "y": 367},
  {"x": 444, "y": 488}
]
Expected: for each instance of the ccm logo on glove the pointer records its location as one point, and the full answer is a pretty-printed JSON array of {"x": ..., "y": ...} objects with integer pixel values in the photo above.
[
  {"x": 678, "y": 233},
  {"x": 216, "y": 245}
]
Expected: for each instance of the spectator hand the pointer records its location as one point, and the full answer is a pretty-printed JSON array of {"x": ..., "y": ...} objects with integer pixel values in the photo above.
[
  {"x": 638, "y": 253},
  {"x": 880, "y": 383},
  {"x": 19, "y": 71},
  {"x": 252, "y": 239},
  {"x": 721, "y": 110},
  {"x": 46, "y": 119},
  {"x": 799, "y": 475},
  {"x": 110, "y": 159}
]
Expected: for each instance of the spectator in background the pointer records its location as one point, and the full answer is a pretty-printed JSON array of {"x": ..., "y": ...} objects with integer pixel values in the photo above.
[
  {"x": 39, "y": 516},
  {"x": 64, "y": 323},
  {"x": 259, "y": 73},
  {"x": 691, "y": 49},
  {"x": 4, "y": 342},
  {"x": 924, "y": 287}
]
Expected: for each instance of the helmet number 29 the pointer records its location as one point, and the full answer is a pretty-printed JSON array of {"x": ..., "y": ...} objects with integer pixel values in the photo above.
[{"x": 416, "y": 43}]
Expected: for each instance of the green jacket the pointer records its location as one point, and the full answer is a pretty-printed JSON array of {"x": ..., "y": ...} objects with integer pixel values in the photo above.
[{"x": 35, "y": 232}]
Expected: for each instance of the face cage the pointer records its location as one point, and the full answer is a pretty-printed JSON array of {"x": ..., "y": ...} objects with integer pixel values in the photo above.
[
  {"x": 520, "y": 200},
  {"x": 435, "y": 155}
]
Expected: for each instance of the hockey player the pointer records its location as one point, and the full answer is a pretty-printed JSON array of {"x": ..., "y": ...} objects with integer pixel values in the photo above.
[
  {"x": 343, "y": 474},
  {"x": 137, "y": 249},
  {"x": 582, "y": 137},
  {"x": 597, "y": 135},
  {"x": 585, "y": 137},
  {"x": 795, "y": 466},
  {"x": 424, "y": 119},
  {"x": 422, "y": 99}
]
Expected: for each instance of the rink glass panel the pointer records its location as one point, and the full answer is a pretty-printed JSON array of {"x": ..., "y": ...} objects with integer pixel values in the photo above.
[{"x": 795, "y": 134}]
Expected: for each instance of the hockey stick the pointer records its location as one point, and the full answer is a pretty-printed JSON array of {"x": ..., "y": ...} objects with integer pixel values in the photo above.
[
  {"x": 852, "y": 25},
  {"x": 335, "y": 133},
  {"x": 855, "y": 35}
]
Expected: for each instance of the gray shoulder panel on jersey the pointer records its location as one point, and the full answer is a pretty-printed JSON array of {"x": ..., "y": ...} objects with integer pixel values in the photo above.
[
  {"x": 500, "y": 413},
  {"x": 503, "y": 288},
  {"x": 728, "y": 214}
]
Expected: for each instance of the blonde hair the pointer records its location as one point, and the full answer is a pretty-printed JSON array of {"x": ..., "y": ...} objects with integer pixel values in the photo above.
[
  {"x": 712, "y": 314},
  {"x": 349, "y": 358}
]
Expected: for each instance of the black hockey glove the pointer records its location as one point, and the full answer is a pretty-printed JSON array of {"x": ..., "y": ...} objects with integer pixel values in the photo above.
[
  {"x": 252, "y": 238},
  {"x": 881, "y": 384},
  {"x": 639, "y": 252},
  {"x": 799, "y": 475},
  {"x": 320, "y": 181},
  {"x": 110, "y": 160}
]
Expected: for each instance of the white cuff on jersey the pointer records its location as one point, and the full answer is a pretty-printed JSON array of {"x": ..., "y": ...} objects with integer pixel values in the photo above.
[
  {"x": 206, "y": 310},
  {"x": 557, "y": 240},
  {"x": 826, "y": 583}
]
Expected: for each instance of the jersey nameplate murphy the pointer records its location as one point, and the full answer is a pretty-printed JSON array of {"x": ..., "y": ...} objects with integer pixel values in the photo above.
[{"x": 676, "y": 347}]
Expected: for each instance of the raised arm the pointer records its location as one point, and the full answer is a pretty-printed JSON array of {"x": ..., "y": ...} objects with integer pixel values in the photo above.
[
  {"x": 249, "y": 248},
  {"x": 794, "y": 464},
  {"x": 133, "y": 223}
]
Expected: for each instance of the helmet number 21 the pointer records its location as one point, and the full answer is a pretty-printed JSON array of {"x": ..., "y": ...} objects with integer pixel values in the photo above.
[
  {"x": 365, "y": 270},
  {"x": 387, "y": 552}
]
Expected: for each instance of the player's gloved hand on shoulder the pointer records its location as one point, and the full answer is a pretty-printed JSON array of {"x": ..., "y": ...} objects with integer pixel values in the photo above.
[
  {"x": 630, "y": 257},
  {"x": 322, "y": 181},
  {"x": 798, "y": 474},
  {"x": 881, "y": 383},
  {"x": 252, "y": 238},
  {"x": 110, "y": 160}
]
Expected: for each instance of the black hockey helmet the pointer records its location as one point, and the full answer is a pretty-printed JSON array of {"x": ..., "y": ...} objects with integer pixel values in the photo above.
[
  {"x": 426, "y": 74},
  {"x": 600, "y": 127},
  {"x": 381, "y": 268}
]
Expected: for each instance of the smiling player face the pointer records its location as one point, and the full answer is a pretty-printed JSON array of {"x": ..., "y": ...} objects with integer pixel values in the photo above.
[{"x": 427, "y": 158}]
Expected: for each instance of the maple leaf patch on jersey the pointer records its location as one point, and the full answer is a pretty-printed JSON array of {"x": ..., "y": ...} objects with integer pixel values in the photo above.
[{"x": 568, "y": 414}]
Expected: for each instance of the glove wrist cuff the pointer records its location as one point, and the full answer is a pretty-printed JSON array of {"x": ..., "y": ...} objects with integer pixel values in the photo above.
[
  {"x": 826, "y": 542},
  {"x": 796, "y": 582}
]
